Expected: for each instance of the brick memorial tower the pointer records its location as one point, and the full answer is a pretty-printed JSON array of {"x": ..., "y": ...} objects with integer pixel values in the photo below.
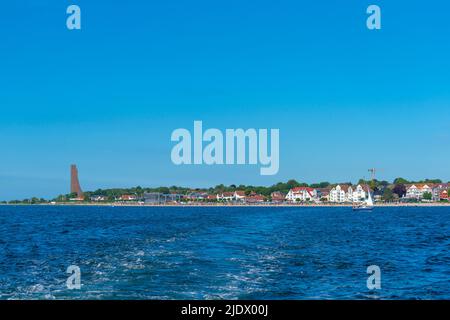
[{"x": 74, "y": 183}]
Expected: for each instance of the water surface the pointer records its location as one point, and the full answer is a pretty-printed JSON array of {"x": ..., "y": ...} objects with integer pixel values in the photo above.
[{"x": 223, "y": 253}]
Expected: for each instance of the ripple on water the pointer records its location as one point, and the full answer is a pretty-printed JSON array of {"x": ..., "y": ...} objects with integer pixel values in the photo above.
[{"x": 223, "y": 253}]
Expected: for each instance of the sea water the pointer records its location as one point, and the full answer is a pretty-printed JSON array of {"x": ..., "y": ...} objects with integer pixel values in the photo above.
[{"x": 223, "y": 253}]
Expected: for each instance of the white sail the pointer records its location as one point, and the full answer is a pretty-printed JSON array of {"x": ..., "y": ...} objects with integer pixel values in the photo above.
[
  {"x": 369, "y": 201},
  {"x": 366, "y": 205}
]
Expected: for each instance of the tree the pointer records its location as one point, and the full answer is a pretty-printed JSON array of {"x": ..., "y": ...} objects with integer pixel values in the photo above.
[
  {"x": 164, "y": 190},
  {"x": 388, "y": 195},
  {"x": 401, "y": 181},
  {"x": 292, "y": 184},
  {"x": 436, "y": 181},
  {"x": 400, "y": 190},
  {"x": 427, "y": 196},
  {"x": 384, "y": 183},
  {"x": 373, "y": 185},
  {"x": 321, "y": 185}
]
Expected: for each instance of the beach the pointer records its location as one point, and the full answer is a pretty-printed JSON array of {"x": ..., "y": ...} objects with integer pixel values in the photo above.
[{"x": 231, "y": 205}]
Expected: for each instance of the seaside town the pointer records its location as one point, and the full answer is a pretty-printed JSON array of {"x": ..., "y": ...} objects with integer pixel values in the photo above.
[{"x": 400, "y": 191}]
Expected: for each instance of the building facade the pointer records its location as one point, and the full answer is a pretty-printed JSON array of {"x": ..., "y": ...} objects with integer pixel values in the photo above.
[
  {"x": 417, "y": 191},
  {"x": 301, "y": 194},
  {"x": 347, "y": 193},
  {"x": 338, "y": 194},
  {"x": 161, "y": 198}
]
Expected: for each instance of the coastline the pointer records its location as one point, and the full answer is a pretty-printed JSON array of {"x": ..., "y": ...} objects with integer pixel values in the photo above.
[{"x": 225, "y": 205}]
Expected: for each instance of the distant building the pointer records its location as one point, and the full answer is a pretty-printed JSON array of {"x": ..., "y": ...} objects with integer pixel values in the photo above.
[
  {"x": 232, "y": 196},
  {"x": 154, "y": 198},
  {"x": 95, "y": 198},
  {"x": 255, "y": 198},
  {"x": 323, "y": 193},
  {"x": 225, "y": 196},
  {"x": 197, "y": 196},
  {"x": 127, "y": 197},
  {"x": 277, "y": 197},
  {"x": 438, "y": 190},
  {"x": 338, "y": 194},
  {"x": 77, "y": 199},
  {"x": 347, "y": 193},
  {"x": 301, "y": 194},
  {"x": 417, "y": 191},
  {"x": 161, "y": 198},
  {"x": 444, "y": 195},
  {"x": 239, "y": 196},
  {"x": 74, "y": 182},
  {"x": 357, "y": 195},
  {"x": 378, "y": 198}
]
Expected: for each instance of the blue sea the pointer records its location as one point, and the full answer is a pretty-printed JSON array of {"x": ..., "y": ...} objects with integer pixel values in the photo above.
[{"x": 223, "y": 253}]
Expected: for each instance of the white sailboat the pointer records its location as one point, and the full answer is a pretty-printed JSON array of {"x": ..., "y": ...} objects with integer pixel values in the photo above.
[{"x": 367, "y": 205}]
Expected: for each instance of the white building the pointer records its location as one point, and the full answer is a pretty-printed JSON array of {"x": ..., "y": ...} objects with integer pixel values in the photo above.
[
  {"x": 417, "y": 191},
  {"x": 346, "y": 193},
  {"x": 98, "y": 198},
  {"x": 357, "y": 195},
  {"x": 226, "y": 196},
  {"x": 339, "y": 194},
  {"x": 438, "y": 191},
  {"x": 239, "y": 195},
  {"x": 301, "y": 194}
]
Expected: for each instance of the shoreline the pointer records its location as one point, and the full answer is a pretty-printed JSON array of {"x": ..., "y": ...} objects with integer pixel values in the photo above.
[{"x": 224, "y": 205}]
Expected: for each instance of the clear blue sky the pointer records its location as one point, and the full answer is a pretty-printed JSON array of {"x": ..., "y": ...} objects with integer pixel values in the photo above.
[{"x": 108, "y": 97}]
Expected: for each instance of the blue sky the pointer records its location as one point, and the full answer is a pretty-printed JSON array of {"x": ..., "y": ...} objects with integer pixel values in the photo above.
[{"x": 107, "y": 97}]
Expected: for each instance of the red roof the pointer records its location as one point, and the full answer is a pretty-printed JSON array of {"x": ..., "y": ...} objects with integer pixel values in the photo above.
[
  {"x": 298, "y": 189},
  {"x": 421, "y": 185},
  {"x": 303, "y": 189},
  {"x": 255, "y": 198},
  {"x": 277, "y": 195},
  {"x": 344, "y": 187},
  {"x": 127, "y": 197}
]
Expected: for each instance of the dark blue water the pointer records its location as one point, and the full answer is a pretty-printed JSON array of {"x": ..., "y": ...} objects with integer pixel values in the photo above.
[{"x": 223, "y": 253}]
